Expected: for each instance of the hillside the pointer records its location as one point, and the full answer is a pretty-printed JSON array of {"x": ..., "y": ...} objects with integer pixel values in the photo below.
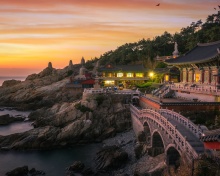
[{"x": 146, "y": 50}]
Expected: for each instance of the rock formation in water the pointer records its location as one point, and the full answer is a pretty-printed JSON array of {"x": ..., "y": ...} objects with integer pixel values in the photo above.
[
  {"x": 94, "y": 118},
  {"x": 39, "y": 90},
  {"x": 7, "y": 119}
]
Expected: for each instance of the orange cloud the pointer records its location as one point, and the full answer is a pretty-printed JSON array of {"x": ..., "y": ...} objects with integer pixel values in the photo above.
[{"x": 32, "y": 33}]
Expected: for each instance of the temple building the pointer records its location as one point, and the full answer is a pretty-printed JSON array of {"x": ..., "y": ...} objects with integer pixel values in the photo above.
[
  {"x": 200, "y": 65},
  {"x": 126, "y": 75},
  {"x": 199, "y": 73}
]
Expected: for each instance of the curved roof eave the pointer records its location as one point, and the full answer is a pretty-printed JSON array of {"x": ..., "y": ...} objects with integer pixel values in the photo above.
[{"x": 199, "y": 61}]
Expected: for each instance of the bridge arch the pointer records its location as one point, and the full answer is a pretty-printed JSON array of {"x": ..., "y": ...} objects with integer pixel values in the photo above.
[
  {"x": 147, "y": 132},
  {"x": 157, "y": 143},
  {"x": 173, "y": 156}
]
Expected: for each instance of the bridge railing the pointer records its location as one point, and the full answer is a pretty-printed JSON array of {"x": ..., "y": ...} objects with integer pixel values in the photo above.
[
  {"x": 195, "y": 129},
  {"x": 163, "y": 122}
]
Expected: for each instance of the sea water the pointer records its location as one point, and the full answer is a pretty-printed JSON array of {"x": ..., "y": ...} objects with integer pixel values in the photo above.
[
  {"x": 54, "y": 162},
  {"x": 15, "y": 127}
]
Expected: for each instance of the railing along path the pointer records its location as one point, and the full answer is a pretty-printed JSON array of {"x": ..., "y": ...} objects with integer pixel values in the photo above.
[{"x": 200, "y": 89}]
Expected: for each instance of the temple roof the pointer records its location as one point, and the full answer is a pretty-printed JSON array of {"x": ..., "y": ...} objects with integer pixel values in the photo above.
[
  {"x": 211, "y": 136},
  {"x": 123, "y": 68},
  {"x": 200, "y": 54},
  {"x": 167, "y": 70}
]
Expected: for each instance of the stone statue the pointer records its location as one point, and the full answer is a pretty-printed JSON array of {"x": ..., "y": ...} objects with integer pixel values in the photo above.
[
  {"x": 175, "y": 52},
  {"x": 70, "y": 65},
  {"x": 83, "y": 61},
  {"x": 50, "y": 65}
]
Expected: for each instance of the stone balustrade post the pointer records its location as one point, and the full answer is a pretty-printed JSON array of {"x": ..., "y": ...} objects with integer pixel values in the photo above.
[
  {"x": 197, "y": 130},
  {"x": 185, "y": 138},
  {"x": 187, "y": 122},
  {"x": 175, "y": 130}
]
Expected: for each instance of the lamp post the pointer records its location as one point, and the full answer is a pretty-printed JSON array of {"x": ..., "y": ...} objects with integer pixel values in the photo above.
[{"x": 151, "y": 74}]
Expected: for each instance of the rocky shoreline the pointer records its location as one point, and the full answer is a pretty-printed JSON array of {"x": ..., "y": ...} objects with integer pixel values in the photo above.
[
  {"x": 118, "y": 158},
  {"x": 63, "y": 117}
]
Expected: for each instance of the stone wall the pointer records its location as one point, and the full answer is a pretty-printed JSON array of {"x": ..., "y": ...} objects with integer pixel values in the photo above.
[{"x": 136, "y": 124}]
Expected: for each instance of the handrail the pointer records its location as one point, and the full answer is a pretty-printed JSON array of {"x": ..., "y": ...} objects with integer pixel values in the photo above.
[
  {"x": 195, "y": 129},
  {"x": 157, "y": 117},
  {"x": 201, "y": 89}
]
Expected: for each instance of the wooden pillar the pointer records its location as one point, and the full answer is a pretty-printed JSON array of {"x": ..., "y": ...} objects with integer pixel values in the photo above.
[
  {"x": 193, "y": 75},
  {"x": 210, "y": 74},
  {"x": 218, "y": 77},
  {"x": 181, "y": 75},
  {"x": 187, "y": 75}
]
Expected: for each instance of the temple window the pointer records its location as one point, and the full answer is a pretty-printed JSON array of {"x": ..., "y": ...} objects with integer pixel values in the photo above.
[
  {"x": 166, "y": 77},
  {"x": 119, "y": 74},
  {"x": 130, "y": 75},
  {"x": 109, "y": 82},
  {"x": 109, "y": 74},
  {"x": 139, "y": 75}
]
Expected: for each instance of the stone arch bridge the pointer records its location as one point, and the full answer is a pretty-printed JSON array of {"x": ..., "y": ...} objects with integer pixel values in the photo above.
[{"x": 169, "y": 131}]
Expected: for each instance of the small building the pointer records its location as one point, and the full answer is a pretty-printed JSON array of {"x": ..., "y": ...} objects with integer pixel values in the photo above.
[
  {"x": 211, "y": 140},
  {"x": 83, "y": 80},
  {"x": 126, "y": 75}
]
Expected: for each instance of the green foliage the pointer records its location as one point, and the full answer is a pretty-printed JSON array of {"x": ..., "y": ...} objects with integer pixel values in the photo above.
[
  {"x": 90, "y": 63},
  {"x": 82, "y": 108},
  {"x": 99, "y": 99},
  {"x": 144, "y": 85},
  {"x": 161, "y": 65},
  {"x": 69, "y": 73}
]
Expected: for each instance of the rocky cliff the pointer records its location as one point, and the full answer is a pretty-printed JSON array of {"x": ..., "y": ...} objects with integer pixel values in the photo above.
[
  {"x": 92, "y": 119},
  {"x": 38, "y": 90}
]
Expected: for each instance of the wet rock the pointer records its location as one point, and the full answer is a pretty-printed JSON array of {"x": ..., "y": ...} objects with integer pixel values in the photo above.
[
  {"x": 88, "y": 171},
  {"x": 149, "y": 166},
  {"x": 111, "y": 157},
  {"x": 39, "y": 138},
  {"x": 34, "y": 172},
  {"x": 7, "y": 119},
  {"x": 19, "y": 171},
  {"x": 77, "y": 166}
]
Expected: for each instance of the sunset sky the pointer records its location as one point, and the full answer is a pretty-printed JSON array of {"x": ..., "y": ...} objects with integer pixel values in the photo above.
[{"x": 34, "y": 32}]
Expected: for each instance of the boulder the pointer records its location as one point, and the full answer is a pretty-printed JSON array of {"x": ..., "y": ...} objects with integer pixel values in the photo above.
[
  {"x": 9, "y": 83},
  {"x": 19, "y": 171},
  {"x": 77, "y": 166},
  {"x": 7, "y": 119},
  {"x": 110, "y": 158}
]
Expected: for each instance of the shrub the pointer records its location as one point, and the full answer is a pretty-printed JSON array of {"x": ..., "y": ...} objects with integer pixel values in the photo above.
[
  {"x": 82, "y": 108},
  {"x": 99, "y": 99}
]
